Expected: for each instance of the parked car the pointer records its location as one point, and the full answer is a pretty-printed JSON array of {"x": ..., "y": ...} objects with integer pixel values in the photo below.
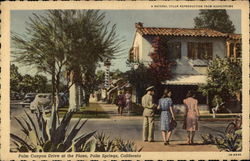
[
  {"x": 44, "y": 100},
  {"x": 65, "y": 99},
  {"x": 29, "y": 97},
  {"x": 15, "y": 96}
]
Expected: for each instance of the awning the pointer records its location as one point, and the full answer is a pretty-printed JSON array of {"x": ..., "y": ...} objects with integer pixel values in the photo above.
[
  {"x": 126, "y": 85},
  {"x": 111, "y": 90},
  {"x": 187, "y": 80}
]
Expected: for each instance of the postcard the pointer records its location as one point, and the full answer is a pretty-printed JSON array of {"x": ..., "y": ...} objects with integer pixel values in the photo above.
[{"x": 156, "y": 80}]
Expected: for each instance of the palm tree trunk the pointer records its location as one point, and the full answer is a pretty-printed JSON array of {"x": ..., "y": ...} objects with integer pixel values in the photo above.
[
  {"x": 74, "y": 97},
  {"x": 74, "y": 91}
]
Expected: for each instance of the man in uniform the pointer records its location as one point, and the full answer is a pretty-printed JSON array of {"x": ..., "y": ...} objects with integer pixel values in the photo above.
[{"x": 148, "y": 113}]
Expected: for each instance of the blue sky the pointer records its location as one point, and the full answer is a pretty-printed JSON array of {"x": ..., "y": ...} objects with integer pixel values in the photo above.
[{"x": 125, "y": 21}]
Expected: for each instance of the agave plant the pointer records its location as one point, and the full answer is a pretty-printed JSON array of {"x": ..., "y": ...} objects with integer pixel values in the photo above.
[
  {"x": 229, "y": 142},
  {"x": 126, "y": 146},
  {"x": 208, "y": 139},
  {"x": 53, "y": 138},
  {"x": 105, "y": 144}
]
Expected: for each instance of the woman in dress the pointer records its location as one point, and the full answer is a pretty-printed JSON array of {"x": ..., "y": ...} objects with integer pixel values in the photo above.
[
  {"x": 191, "y": 116},
  {"x": 120, "y": 102},
  {"x": 165, "y": 104},
  {"x": 128, "y": 98}
]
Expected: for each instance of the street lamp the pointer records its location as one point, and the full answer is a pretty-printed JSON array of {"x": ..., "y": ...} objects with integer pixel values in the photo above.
[
  {"x": 107, "y": 64},
  {"x": 135, "y": 66}
]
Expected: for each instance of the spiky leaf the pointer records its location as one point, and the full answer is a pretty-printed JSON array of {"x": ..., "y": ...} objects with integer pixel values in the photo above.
[
  {"x": 47, "y": 146},
  {"x": 23, "y": 149},
  {"x": 22, "y": 142}
]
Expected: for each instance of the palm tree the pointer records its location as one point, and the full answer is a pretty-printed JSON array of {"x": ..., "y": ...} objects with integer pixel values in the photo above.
[{"x": 66, "y": 41}]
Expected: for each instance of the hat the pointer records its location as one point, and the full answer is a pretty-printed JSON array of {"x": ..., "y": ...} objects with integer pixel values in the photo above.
[{"x": 150, "y": 88}]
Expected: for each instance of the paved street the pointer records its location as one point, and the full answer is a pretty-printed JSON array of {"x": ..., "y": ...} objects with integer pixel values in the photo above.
[{"x": 130, "y": 128}]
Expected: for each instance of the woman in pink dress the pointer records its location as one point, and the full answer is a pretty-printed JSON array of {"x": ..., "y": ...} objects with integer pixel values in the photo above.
[{"x": 191, "y": 116}]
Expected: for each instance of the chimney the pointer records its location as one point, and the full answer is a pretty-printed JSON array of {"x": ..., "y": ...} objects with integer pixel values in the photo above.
[{"x": 138, "y": 25}]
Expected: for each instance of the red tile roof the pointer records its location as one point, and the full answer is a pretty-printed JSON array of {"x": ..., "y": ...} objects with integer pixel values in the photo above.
[
  {"x": 234, "y": 36},
  {"x": 180, "y": 32}
]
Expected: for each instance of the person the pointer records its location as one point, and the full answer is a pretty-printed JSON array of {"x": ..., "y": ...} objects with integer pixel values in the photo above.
[
  {"x": 148, "y": 113},
  {"x": 167, "y": 114},
  {"x": 218, "y": 102},
  {"x": 128, "y": 98},
  {"x": 120, "y": 102},
  {"x": 191, "y": 116}
]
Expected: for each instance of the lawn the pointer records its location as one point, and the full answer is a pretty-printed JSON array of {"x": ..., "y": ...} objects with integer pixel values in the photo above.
[{"x": 94, "y": 110}]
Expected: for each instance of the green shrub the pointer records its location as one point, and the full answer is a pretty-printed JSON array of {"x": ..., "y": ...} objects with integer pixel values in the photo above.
[
  {"x": 105, "y": 144},
  {"x": 125, "y": 146},
  {"x": 208, "y": 139},
  {"x": 225, "y": 141},
  {"x": 230, "y": 142}
]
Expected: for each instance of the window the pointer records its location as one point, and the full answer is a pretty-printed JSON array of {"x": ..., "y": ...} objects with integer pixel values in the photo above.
[
  {"x": 174, "y": 50},
  {"x": 200, "y": 50}
]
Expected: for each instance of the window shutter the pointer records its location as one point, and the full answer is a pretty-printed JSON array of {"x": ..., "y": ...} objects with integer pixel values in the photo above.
[
  {"x": 178, "y": 49},
  {"x": 190, "y": 48},
  {"x": 210, "y": 50},
  {"x": 201, "y": 53}
]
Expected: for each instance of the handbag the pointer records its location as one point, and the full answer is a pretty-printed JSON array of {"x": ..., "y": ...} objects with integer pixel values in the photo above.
[{"x": 173, "y": 124}]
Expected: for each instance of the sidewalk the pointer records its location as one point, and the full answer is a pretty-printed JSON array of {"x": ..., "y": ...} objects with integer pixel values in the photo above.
[
  {"x": 133, "y": 125},
  {"x": 111, "y": 111},
  {"x": 175, "y": 146}
]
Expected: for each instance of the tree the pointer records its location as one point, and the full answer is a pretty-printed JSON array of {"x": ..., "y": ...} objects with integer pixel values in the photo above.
[
  {"x": 43, "y": 47},
  {"x": 27, "y": 84},
  {"x": 15, "y": 79},
  {"x": 224, "y": 79},
  {"x": 140, "y": 78},
  {"x": 94, "y": 41},
  {"x": 40, "y": 83},
  {"x": 160, "y": 67},
  {"x": 214, "y": 19},
  {"x": 73, "y": 41},
  {"x": 100, "y": 76}
]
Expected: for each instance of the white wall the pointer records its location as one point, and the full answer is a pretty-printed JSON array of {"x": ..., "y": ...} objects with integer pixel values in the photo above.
[
  {"x": 138, "y": 42},
  {"x": 147, "y": 47},
  {"x": 184, "y": 65}
]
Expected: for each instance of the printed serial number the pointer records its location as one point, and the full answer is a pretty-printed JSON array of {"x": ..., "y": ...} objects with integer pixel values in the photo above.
[{"x": 235, "y": 154}]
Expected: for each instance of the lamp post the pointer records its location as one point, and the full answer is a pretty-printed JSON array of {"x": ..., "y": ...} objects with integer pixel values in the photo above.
[
  {"x": 107, "y": 65},
  {"x": 135, "y": 67}
]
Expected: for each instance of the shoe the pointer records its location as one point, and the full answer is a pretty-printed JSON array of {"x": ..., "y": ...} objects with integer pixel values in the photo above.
[
  {"x": 145, "y": 140},
  {"x": 166, "y": 143}
]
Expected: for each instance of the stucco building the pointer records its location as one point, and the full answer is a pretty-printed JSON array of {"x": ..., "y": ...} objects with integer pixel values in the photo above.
[{"x": 190, "y": 48}]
